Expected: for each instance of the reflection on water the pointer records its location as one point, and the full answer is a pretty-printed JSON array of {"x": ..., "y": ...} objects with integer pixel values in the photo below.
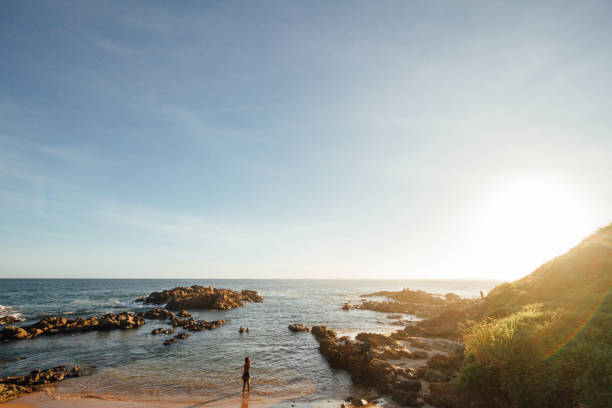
[
  {"x": 207, "y": 365},
  {"x": 244, "y": 403}
]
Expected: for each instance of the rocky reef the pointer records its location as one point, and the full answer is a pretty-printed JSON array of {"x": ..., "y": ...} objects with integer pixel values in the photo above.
[
  {"x": 122, "y": 321},
  {"x": 62, "y": 325},
  {"x": 415, "y": 302},
  {"x": 414, "y": 371},
  {"x": 12, "y": 387},
  {"x": 201, "y": 297},
  {"x": 182, "y": 319}
]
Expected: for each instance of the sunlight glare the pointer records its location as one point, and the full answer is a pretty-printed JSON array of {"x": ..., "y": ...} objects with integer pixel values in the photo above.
[{"x": 523, "y": 225}]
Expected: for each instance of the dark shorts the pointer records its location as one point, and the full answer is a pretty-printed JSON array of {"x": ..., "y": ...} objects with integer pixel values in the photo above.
[{"x": 245, "y": 376}]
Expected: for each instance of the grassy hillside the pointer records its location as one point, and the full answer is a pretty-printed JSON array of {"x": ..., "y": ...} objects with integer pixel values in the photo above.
[{"x": 546, "y": 340}]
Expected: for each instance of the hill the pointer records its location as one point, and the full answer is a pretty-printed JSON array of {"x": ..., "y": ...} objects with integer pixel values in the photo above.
[{"x": 546, "y": 339}]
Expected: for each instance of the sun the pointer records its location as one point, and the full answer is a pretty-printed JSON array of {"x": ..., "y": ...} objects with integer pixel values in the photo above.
[{"x": 523, "y": 224}]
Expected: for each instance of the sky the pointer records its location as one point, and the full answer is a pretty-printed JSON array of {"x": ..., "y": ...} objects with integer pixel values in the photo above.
[{"x": 281, "y": 139}]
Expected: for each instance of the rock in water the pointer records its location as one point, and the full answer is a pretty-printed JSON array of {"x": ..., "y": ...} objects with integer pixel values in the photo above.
[
  {"x": 297, "y": 327},
  {"x": 200, "y": 297},
  {"x": 12, "y": 387},
  {"x": 62, "y": 325}
]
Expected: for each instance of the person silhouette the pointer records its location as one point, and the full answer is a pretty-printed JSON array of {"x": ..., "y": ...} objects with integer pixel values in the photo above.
[{"x": 246, "y": 375}]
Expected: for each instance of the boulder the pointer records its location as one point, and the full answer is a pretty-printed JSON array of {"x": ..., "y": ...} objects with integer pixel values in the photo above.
[{"x": 298, "y": 328}]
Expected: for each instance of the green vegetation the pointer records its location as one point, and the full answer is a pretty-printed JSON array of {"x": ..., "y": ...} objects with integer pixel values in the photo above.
[{"x": 546, "y": 339}]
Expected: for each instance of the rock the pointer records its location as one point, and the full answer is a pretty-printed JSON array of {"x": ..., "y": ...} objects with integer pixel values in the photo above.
[
  {"x": 169, "y": 341},
  {"x": 408, "y": 384},
  {"x": 184, "y": 313},
  {"x": 404, "y": 397},
  {"x": 161, "y": 330},
  {"x": 200, "y": 297},
  {"x": 359, "y": 402},
  {"x": 62, "y": 325},
  {"x": 378, "y": 340},
  {"x": 298, "y": 328},
  {"x": 433, "y": 375},
  {"x": 157, "y": 314},
  {"x": 12, "y": 387},
  {"x": 346, "y": 306},
  {"x": 181, "y": 336},
  {"x": 394, "y": 316}
]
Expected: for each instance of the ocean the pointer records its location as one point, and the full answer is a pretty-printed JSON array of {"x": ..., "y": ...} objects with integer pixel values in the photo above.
[{"x": 135, "y": 365}]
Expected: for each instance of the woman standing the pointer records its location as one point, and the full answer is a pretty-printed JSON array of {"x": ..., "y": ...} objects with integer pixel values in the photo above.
[{"x": 246, "y": 376}]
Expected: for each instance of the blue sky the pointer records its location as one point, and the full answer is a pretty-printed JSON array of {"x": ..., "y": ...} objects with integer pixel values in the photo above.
[{"x": 301, "y": 139}]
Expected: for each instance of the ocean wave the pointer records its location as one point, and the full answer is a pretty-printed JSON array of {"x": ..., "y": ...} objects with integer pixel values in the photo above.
[
  {"x": 127, "y": 303},
  {"x": 11, "y": 311}
]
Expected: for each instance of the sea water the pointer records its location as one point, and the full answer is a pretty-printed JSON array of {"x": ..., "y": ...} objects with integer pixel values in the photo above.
[{"x": 135, "y": 365}]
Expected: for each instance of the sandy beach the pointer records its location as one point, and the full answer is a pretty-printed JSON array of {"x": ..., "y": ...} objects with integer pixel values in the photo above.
[{"x": 47, "y": 399}]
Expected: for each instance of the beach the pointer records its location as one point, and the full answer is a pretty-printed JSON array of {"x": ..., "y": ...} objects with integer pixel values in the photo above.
[{"x": 133, "y": 367}]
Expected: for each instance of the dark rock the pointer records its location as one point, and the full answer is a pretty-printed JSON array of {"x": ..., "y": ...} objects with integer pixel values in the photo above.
[
  {"x": 298, "y": 328},
  {"x": 378, "y": 340},
  {"x": 12, "y": 387},
  {"x": 404, "y": 397},
  {"x": 433, "y": 375},
  {"x": 62, "y": 325},
  {"x": 169, "y": 341},
  {"x": 181, "y": 336},
  {"x": 200, "y": 297},
  {"x": 157, "y": 314}
]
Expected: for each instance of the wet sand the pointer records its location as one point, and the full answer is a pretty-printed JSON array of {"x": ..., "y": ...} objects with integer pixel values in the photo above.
[{"x": 47, "y": 399}]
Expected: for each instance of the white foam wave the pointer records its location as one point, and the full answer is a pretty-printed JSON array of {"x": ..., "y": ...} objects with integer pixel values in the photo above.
[{"x": 11, "y": 311}]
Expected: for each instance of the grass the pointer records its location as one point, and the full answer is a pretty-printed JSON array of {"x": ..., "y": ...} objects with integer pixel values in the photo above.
[{"x": 546, "y": 339}]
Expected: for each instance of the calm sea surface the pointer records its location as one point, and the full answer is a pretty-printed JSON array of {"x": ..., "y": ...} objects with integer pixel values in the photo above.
[{"x": 133, "y": 364}]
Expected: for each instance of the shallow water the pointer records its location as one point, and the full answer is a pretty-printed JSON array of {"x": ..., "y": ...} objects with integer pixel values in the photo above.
[{"x": 133, "y": 364}]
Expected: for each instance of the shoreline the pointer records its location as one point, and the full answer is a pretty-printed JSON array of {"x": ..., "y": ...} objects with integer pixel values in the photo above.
[{"x": 46, "y": 399}]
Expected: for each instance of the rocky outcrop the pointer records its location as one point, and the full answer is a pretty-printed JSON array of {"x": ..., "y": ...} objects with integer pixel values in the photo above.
[
  {"x": 363, "y": 365},
  {"x": 415, "y": 302},
  {"x": 201, "y": 297},
  {"x": 297, "y": 327},
  {"x": 386, "y": 364},
  {"x": 447, "y": 324},
  {"x": 12, "y": 387},
  {"x": 62, "y": 325}
]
